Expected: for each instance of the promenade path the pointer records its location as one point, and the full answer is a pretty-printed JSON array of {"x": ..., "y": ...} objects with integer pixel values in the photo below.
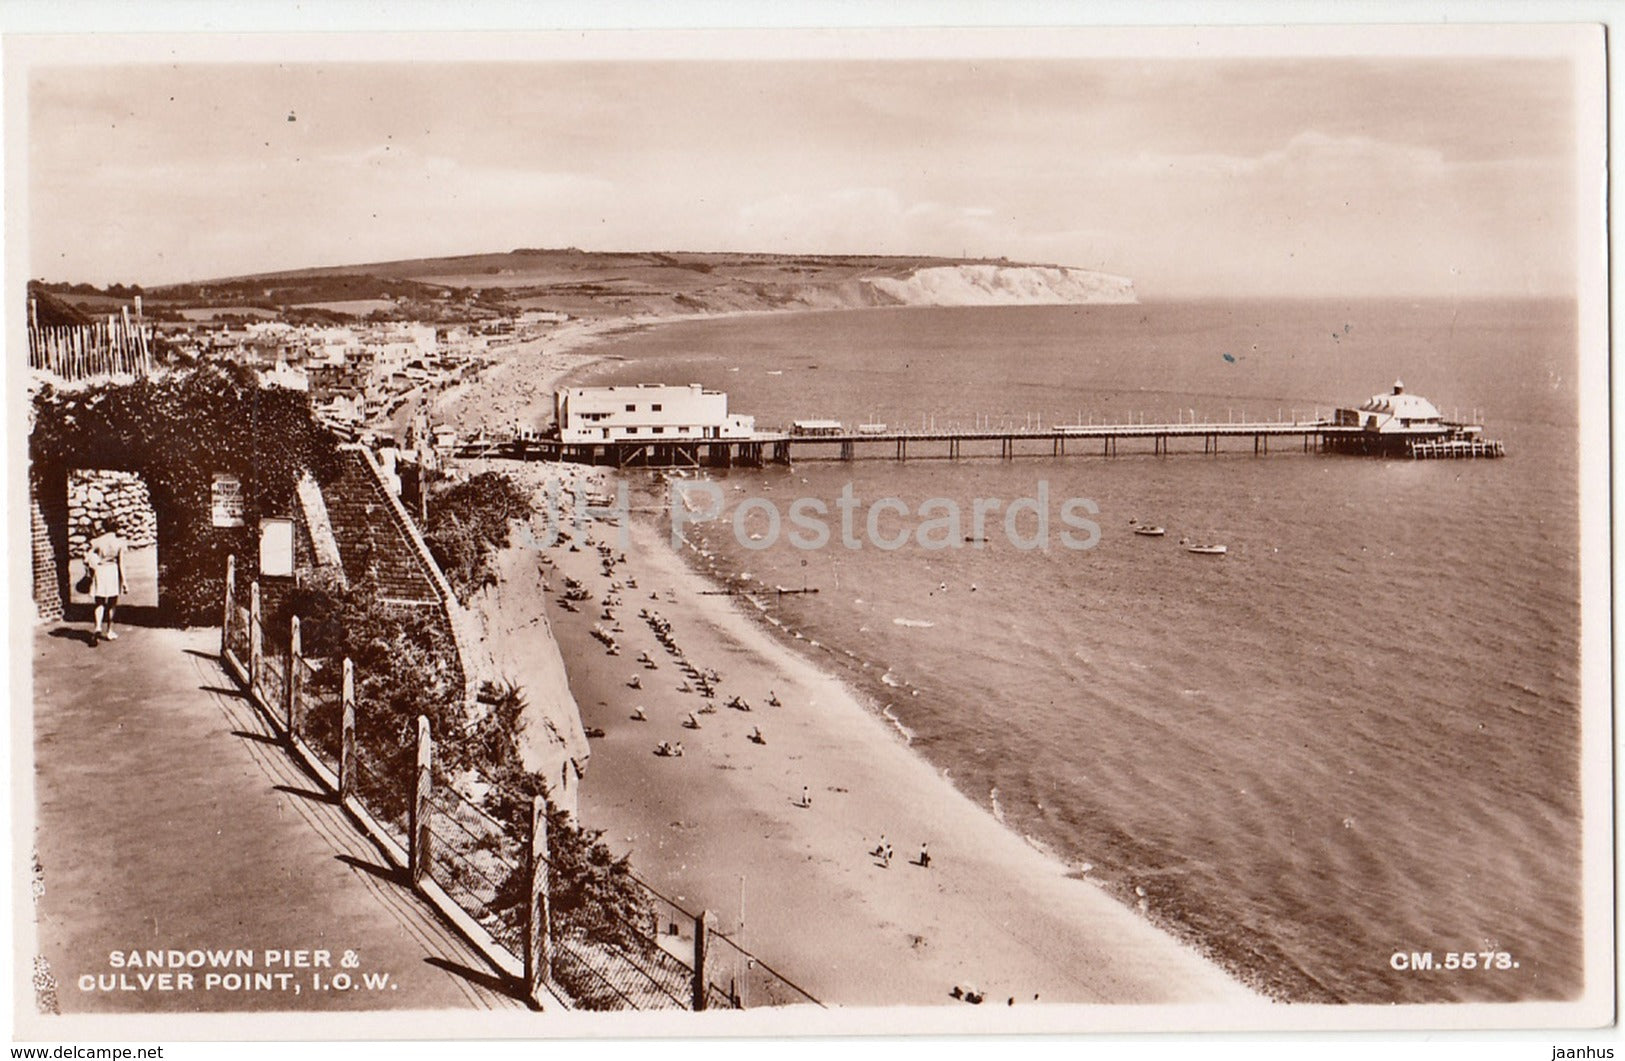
[{"x": 169, "y": 818}]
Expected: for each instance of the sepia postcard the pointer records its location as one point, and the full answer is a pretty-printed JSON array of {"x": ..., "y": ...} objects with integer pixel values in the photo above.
[{"x": 805, "y": 532}]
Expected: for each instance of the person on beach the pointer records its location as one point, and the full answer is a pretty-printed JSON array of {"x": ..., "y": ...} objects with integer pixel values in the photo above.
[
  {"x": 806, "y": 796},
  {"x": 925, "y": 858},
  {"x": 104, "y": 563}
]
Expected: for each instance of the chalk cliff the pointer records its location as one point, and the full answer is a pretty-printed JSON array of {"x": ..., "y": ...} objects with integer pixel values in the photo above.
[{"x": 1001, "y": 285}]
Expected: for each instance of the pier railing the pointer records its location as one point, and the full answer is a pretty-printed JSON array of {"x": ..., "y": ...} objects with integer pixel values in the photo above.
[
  {"x": 1004, "y": 441},
  {"x": 500, "y": 887}
]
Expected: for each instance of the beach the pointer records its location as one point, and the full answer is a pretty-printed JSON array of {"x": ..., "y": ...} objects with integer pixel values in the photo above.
[
  {"x": 724, "y": 828},
  {"x": 517, "y": 389}
]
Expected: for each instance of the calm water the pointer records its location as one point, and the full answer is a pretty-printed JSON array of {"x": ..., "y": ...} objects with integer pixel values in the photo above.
[{"x": 1357, "y": 733}]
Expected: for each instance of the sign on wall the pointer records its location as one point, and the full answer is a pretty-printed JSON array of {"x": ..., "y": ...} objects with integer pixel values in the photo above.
[
  {"x": 226, "y": 499},
  {"x": 276, "y": 548}
]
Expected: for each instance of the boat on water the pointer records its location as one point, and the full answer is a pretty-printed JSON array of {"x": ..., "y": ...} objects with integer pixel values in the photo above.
[
  {"x": 1206, "y": 550},
  {"x": 1146, "y": 530}
]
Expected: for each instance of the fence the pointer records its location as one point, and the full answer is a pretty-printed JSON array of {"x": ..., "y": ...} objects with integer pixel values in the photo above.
[
  {"x": 115, "y": 347},
  {"x": 643, "y": 951}
]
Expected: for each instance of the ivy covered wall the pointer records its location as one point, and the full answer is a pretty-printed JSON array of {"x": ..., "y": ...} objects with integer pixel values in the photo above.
[{"x": 178, "y": 431}]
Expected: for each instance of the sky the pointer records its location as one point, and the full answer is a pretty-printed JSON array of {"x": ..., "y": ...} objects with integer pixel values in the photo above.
[{"x": 1265, "y": 176}]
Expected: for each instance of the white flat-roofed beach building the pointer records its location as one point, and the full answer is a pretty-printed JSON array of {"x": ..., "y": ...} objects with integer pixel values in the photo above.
[{"x": 647, "y": 412}]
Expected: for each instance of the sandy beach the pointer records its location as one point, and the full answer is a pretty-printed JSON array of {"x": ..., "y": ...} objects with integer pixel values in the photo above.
[
  {"x": 724, "y": 828},
  {"x": 518, "y": 387}
]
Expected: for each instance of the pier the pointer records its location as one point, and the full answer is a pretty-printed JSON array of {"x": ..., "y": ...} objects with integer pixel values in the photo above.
[
  {"x": 664, "y": 426},
  {"x": 1156, "y": 439}
]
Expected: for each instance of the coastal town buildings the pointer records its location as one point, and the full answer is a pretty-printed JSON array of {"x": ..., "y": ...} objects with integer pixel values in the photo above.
[{"x": 357, "y": 374}]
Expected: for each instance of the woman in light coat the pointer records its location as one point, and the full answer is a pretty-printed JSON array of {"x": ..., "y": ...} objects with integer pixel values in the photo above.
[{"x": 104, "y": 560}]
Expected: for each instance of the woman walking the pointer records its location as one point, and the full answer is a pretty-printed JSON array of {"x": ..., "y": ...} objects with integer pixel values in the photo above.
[{"x": 104, "y": 560}]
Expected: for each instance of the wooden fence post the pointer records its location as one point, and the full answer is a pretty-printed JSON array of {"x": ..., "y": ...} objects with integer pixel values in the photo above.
[
  {"x": 418, "y": 825},
  {"x": 230, "y": 606},
  {"x": 295, "y": 665},
  {"x": 565, "y": 800},
  {"x": 256, "y": 638},
  {"x": 347, "y": 734},
  {"x": 539, "y": 910},
  {"x": 703, "y": 925}
]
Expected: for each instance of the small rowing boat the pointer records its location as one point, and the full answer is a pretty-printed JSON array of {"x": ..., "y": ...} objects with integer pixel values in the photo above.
[
  {"x": 1145, "y": 530},
  {"x": 1207, "y": 550}
]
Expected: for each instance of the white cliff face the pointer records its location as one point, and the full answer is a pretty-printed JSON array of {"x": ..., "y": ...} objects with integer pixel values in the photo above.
[{"x": 998, "y": 285}]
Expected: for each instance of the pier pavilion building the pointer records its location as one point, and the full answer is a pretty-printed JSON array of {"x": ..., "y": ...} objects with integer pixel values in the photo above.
[{"x": 647, "y": 412}]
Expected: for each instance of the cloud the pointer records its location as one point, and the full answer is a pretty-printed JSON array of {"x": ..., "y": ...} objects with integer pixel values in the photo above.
[{"x": 1197, "y": 177}]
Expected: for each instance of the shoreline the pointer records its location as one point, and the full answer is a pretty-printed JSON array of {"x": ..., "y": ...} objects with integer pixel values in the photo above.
[
  {"x": 560, "y": 357},
  {"x": 867, "y": 685},
  {"x": 721, "y": 827},
  {"x": 493, "y": 399}
]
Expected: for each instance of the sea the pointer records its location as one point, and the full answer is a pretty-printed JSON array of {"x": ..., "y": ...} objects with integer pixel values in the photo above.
[{"x": 1353, "y": 739}]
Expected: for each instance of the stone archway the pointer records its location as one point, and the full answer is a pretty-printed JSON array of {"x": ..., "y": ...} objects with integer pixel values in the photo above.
[{"x": 123, "y": 501}]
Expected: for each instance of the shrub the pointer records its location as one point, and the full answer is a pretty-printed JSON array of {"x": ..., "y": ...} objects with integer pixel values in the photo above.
[
  {"x": 405, "y": 666},
  {"x": 468, "y": 523},
  {"x": 592, "y": 893}
]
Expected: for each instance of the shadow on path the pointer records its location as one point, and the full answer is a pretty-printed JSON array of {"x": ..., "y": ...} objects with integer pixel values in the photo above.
[
  {"x": 73, "y": 633},
  {"x": 383, "y": 873},
  {"x": 144, "y": 748},
  {"x": 489, "y": 981},
  {"x": 308, "y": 793}
]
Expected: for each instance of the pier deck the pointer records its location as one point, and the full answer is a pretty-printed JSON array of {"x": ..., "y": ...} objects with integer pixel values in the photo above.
[{"x": 781, "y": 447}]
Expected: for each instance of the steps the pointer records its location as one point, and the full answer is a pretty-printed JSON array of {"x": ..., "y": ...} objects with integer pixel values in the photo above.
[{"x": 373, "y": 543}]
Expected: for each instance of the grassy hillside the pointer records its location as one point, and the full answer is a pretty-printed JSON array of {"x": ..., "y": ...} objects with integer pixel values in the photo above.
[{"x": 567, "y": 280}]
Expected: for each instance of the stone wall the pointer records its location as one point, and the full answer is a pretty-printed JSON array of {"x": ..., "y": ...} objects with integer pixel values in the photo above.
[{"x": 122, "y": 496}]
